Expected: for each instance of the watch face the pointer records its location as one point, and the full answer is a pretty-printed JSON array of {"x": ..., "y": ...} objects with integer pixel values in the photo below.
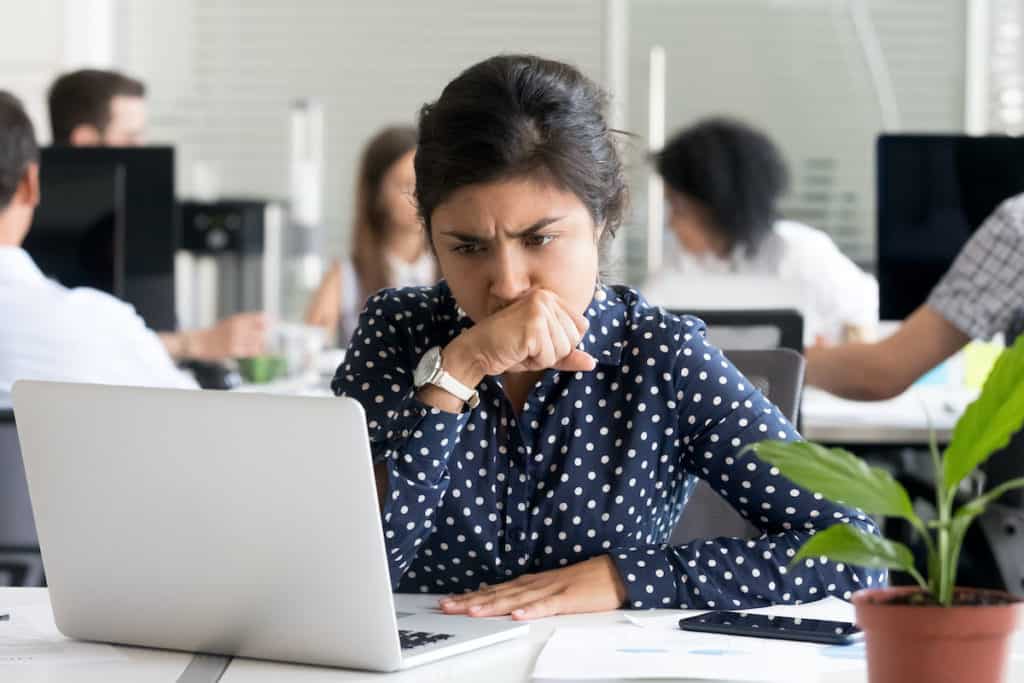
[{"x": 427, "y": 367}]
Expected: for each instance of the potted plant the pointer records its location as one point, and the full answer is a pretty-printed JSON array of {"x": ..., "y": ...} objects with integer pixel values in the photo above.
[{"x": 935, "y": 631}]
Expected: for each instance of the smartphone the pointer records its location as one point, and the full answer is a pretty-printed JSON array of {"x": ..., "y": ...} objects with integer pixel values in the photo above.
[{"x": 765, "y": 626}]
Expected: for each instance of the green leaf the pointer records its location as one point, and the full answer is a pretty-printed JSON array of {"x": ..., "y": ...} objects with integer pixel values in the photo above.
[
  {"x": 847, "y": 543},
  {"x": 965, "y": 516},
  {"x": 838, "y": 475},
  {"x": 990, "y": 421},
  {"x": 966, "y": 513}
]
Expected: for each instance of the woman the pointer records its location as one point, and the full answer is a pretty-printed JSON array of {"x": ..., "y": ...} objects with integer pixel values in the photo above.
[
  {"x": 388, "y": 246},
  {"x": 723, "y": 182},
  {"x": 535, "y": 432}
]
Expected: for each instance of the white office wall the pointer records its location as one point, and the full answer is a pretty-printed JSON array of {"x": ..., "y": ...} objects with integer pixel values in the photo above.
[
  {"x": 31, "y": 54},
  {"x": 221, "y": 73},
  {"x": 998, "y": 68},
  {"x": 44, "y": 38}
]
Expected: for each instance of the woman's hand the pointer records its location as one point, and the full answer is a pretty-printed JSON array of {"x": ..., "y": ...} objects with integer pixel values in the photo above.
[
  {"x": 239, "y": 336},
  {"x": 536, "y": 332},
  {"x": 593, "y": 585}
]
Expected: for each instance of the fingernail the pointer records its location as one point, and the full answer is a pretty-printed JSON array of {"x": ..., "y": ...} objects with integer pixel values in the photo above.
[
  {"x": 519, "y": 612},
  {"x": 475, "y": 608}
]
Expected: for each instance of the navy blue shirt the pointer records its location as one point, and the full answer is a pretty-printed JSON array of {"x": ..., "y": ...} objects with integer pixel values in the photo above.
[{"x": 598, "y": 462}]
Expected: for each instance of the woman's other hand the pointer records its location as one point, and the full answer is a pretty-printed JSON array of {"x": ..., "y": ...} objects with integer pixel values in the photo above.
[{"x": 593, "y": 585}]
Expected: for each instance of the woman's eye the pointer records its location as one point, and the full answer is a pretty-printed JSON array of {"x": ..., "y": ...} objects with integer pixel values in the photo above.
[
  {"x": 468, "y": 248},
  {"x": 539, "y": 240}
]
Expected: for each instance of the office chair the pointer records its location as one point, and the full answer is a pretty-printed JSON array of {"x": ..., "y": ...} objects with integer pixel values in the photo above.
[
  {"x": 20, "y": 562},
  {"x": 756, "y": 328},
  {"x": 779, "y": 374}
]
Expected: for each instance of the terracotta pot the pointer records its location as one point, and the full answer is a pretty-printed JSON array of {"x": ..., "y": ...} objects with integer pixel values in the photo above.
[{"x": 906, "y": 644}]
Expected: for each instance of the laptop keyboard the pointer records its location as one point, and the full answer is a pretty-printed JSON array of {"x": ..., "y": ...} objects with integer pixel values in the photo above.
[{"x": 413, "y": 639}]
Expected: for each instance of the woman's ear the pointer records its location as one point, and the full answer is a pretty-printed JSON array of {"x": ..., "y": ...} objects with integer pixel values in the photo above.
[{"x": 27, "y": 192}]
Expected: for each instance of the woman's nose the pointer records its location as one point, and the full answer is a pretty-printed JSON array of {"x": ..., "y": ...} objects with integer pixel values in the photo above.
[{"x": 510, "y": 278}]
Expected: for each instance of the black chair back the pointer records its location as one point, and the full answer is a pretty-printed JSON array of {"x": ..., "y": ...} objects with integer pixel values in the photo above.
[
  {"x": 779, "y": 374},
  {"x": 20, "y": 562},
  {"x": 741, "y": 328}
]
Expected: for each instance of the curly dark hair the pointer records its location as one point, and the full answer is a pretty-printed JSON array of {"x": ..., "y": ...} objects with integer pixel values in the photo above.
[
  {"x": 735, "y": 171},
  {"x": 514, "y": 115}
]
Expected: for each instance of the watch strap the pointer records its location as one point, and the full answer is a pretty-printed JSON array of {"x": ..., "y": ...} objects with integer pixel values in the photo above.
[{"x": 457, "y": 389}]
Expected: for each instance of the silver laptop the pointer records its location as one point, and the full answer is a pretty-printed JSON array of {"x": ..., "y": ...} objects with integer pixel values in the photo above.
[{"x": 237, "y": 524}]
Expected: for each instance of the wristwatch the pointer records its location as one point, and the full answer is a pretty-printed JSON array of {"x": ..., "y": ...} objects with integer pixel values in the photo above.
[{"x": 430, "y": 371}]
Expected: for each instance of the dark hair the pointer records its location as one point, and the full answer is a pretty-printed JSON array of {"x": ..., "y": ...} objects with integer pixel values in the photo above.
[
  {"x": 18, "y": 146},
  {"x": 83, "y": 97},
  {"x": 514, "y": 115},
  {"x": 371, "y": 220},
  {"x": 736, "y": 172}
]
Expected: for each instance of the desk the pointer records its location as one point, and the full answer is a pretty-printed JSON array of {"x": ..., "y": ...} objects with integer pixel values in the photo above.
[
  {"x": 507, "y": 662},
  {"x": 140, "y": 665},
  {"x": 899, "y": 421}
]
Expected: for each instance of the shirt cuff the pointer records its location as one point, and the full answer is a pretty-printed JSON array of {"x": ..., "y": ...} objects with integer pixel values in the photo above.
[{"x": 649, "y": 577}]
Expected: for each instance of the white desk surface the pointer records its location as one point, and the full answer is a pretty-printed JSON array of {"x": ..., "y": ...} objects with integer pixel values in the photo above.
[
  {"x": 901, "y": 420},
  {"x": 141, "y": 665},
  {"x": 512, "y": 661}
]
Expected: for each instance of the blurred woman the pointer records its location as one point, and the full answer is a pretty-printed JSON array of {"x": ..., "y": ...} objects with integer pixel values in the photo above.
[
  {"x": 388, "y": 245},
  {"x": 723, "y": 180}
]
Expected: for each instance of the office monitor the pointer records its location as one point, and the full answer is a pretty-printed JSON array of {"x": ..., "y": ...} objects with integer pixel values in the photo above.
[
  {"x": 107, "y": 219},
  {"x": 934, "y": 191}
]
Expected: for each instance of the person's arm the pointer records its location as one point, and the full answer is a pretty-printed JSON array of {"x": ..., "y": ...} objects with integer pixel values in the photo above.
[
  {"x": 410, "y": 441},
  {"x": 729, "y": 573},
  {"x": 413, "y": 432},
  {"x": 238, "y": 336},
  {"x": 324, "y": 308},
  {"x": 981, "y": 294},
  {"x": 883, "y": 369}
]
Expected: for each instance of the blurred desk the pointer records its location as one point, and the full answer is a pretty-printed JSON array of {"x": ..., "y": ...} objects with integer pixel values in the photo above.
[
  {"x": 903, "y": 420},
  {"x": 316, "y": 382}
]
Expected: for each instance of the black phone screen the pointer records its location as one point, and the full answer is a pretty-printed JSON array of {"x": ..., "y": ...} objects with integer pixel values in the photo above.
[{"x": 765, "y": 626}]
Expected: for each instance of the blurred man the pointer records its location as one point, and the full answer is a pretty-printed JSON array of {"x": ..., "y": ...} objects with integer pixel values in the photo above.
[
  {"x": 92, "y": 107},
  {"x": 48, "y": 331},
  {"x": 97, "y": 108}
]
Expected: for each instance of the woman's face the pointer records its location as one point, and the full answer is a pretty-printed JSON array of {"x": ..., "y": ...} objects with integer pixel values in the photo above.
[
  {"x": 495, "y": 241},
  {"x": 691, "y": 224},
  {"x": 396, "y": 198}
]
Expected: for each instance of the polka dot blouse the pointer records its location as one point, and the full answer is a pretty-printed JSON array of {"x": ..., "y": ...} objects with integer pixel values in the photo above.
[{"x": 598, "y": 462}]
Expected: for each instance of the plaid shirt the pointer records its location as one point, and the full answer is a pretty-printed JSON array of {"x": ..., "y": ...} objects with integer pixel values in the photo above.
[{"x": 983, "y": 292}]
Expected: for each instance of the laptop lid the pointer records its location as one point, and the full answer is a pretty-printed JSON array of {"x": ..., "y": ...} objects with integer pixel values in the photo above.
[{"x": 240, "y": 524}]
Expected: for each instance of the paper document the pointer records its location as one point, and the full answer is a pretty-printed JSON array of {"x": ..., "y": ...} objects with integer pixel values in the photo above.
[
  {"x": 30, "y": 637},
  {"x": 659, "y": 649}
]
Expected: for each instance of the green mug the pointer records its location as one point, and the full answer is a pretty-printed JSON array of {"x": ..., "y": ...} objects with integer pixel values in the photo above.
[{"x": 262, "y": 369}]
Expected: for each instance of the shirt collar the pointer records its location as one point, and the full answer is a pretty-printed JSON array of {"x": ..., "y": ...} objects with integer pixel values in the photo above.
[{"x": 17, "y": 266}]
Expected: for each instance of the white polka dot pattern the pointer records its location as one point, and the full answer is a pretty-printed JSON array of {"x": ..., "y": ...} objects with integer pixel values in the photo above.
[{"x": 600, "y": 462}]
